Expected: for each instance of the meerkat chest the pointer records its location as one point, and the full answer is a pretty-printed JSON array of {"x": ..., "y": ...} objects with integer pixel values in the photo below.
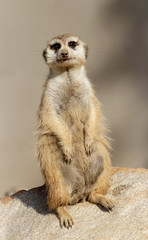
[{"x": 69, "y": 96}]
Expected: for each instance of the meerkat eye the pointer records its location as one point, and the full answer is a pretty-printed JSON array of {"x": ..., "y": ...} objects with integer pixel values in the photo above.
[
  {"x": 55, "y": 46},
  {"x": 72, "y": 44}
]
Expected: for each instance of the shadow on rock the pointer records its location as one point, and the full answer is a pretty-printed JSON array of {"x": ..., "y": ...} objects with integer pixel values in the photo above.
[{"x": 35, "y": 198}]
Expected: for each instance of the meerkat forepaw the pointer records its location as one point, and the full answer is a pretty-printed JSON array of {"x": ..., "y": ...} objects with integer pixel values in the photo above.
[
  {"x": 88, "y": 146},
  {"x": 68, "y": 155}
]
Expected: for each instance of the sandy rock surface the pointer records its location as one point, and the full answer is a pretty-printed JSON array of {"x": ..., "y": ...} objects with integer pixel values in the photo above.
[{"x": 25, "y": 215}]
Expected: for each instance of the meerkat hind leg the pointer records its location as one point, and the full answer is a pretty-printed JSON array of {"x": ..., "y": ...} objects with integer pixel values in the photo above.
[
  {"x": 64, "y": 217},
  {"x": 104, "y": 201}
]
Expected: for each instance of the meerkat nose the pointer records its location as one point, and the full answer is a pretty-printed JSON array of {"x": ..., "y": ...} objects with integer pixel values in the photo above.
[{"x": 64, "y": 54}]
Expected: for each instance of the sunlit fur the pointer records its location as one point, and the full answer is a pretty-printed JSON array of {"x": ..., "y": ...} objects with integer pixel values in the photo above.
[{"x": 72, "y": 144}]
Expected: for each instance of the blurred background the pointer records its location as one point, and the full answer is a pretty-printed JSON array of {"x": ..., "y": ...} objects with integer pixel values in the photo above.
[{"x": 116, "y": 32}]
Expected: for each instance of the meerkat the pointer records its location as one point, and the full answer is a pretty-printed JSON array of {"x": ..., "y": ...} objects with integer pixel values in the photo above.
[{"x": 72, "y": 146}]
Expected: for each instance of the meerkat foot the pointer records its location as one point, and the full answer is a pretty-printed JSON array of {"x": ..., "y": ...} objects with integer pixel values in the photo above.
[
  {"x": 68, "y": 155},
  {"x": 102, "y": 200},
  {"x": 88, "y": 145},
  {"x": 64, "y": 217}
]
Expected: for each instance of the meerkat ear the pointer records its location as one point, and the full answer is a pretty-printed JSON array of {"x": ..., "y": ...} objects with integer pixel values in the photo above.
[{"x": 86, "y": 50}]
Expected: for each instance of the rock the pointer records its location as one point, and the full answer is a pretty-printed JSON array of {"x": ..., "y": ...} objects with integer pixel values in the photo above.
[{"x": 25, "y": 215}]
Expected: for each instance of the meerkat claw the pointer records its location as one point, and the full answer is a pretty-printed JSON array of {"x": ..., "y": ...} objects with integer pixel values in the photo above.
[
  {"x": 88, "y": 146},
  {"x": 66, "y": 221},
  {"x": 68, "y": 155}
]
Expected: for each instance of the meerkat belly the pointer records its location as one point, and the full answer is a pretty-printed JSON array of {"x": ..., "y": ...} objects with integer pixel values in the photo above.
[
  {"x": 80, "y": 175},
  {"x": 83, "y": 171}
]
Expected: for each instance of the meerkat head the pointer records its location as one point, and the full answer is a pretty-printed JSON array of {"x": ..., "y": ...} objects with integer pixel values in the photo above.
[{"x": 65, "y": 51}]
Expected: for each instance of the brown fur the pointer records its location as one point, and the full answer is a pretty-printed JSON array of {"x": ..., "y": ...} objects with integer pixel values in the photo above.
[{"x": 72, "y": 145}]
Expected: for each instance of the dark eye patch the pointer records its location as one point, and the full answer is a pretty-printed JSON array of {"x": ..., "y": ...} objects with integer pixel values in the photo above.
[
  {"x": 72, "y": 44},
  {"x": 55, "y": 46}
]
